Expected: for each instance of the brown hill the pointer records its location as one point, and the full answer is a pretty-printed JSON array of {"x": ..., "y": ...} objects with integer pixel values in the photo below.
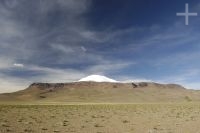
[{"x": 104, "y": 92}]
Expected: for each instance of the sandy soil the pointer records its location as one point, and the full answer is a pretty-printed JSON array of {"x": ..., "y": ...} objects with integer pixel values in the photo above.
[{"x": 116, "y": 118}]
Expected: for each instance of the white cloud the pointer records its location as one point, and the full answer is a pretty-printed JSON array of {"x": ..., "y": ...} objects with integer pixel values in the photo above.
[
  {"x": 5, "y": 63},
  {"x": 18, "y": 65},
  {"x": 109, "y": 66},
  {"x": 138, "y": 80},
  {"x": 36, "y": 45},
  {"x": 63, "y": 48},
  {"x": 12, "y": 84},
  {"x": 55, "y": 74},
  {"x": 127, "y": 79},
  {"x": 83, "y": 48}
]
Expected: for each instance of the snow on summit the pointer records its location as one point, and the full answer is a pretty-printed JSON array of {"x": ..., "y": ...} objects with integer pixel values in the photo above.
[{"x": 97, "y": 78}]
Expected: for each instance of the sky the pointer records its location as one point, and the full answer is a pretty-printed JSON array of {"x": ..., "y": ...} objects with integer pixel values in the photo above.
[{"x": 65, "y": 40}]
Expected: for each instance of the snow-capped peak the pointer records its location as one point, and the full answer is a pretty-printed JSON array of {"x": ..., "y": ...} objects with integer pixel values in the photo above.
[{"x": 97, "y": 78}]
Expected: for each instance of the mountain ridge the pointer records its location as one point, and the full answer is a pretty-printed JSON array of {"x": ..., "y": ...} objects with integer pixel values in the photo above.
[{"x": 102, "y": 92}]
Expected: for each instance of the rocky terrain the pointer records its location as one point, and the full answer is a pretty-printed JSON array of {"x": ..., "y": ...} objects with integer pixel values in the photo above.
[{"x": 102, "y": 92}]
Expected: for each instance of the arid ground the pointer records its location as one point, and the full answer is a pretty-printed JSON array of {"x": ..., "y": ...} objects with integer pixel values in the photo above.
[
  {"x": 101, "y": 118},
  {"x": 90, "y": 107}
]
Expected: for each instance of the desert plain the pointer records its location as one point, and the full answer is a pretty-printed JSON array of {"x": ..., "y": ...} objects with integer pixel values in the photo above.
[{"x": 100, "y": 108}]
